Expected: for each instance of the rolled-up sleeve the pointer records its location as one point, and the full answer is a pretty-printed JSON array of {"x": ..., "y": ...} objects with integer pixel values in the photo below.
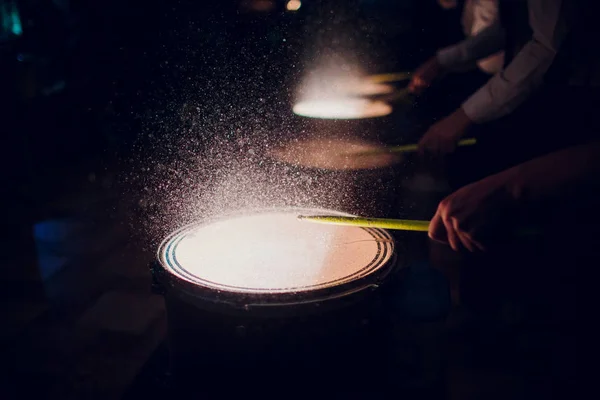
[
  {"x": 486, "y": 42},
  {"x": 509, "y": 88}
]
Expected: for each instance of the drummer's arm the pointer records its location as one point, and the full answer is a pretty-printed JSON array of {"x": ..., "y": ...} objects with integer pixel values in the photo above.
[
  {"x": 561, "y": 174},
  {"x": 485, "y": 43},
  {"x": 550, "y": 21}
]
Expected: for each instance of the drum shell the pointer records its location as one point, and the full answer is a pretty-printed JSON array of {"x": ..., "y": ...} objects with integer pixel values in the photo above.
[{"x": 317, "y": 343}]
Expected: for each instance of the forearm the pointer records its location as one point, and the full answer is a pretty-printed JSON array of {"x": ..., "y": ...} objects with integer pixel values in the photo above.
[
  {"x": 487, "y": 42},
  {"x": 554, "y": 176},
  {"x": 510, "y": 87}
]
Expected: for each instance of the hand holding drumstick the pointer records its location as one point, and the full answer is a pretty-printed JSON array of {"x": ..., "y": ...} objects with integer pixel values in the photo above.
[{"x": 466, "y": 218}]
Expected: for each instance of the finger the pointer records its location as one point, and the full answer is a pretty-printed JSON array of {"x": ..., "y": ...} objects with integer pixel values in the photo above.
[
  {"x": 451, "y": 233},
  {"x": 464, "y": 237},
  {"x": 479, "y": 246},
  {"x": 422, "y": 145},
  {"x": 415, "y": 89},
  {"x": 416, "y": 85},
  {"x": 469, "y": 243},
  {"x": 411, "y": 86},
  {"x": 437, "y": 231},
  {"x": 466, "y": 241},
  {"x": 434, "y": 146},
  {"x": 430, "y": 147}
]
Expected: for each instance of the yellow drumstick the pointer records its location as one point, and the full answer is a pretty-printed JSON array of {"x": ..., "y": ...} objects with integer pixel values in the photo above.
[
  {"x": 407, "y": 148},
  {"x": 392, "y": 224},
  {"x": 384, "y": 223},
  {"x": 388, "y": 78}
]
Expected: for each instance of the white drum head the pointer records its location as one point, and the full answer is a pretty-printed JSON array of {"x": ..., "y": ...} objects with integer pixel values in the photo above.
[
  {"x": 274, "y": 252},
  {"x": 342, "y": 108}
]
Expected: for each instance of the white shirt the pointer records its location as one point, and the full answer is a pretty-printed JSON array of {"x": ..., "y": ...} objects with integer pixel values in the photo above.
[
  {"x": 511, "y": 86},
  {"x": 478, "y": 15}
]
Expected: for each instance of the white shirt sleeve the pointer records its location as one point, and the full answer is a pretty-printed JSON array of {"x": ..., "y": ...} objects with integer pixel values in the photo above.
[
  {"x": 486, "y": 42},
  {"x": 510, "y": 87}
]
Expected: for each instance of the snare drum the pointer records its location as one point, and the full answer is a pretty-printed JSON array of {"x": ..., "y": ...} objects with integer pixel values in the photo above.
[{"x": 265, "y": 300}]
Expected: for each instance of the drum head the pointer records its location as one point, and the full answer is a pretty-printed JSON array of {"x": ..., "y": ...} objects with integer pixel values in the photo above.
[
  {"x": 342, "y": 108},
  {"x": 344, "y": 87},
  {"x": 272, "y": 252},
  {"x": 336, "y": 154}
]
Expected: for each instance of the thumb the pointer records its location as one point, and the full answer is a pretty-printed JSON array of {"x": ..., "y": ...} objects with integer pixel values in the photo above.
[
  {"x": 422, "y": 145},
  {"x": 437, "y": 230},
  {"x": 416, "y": 84}
]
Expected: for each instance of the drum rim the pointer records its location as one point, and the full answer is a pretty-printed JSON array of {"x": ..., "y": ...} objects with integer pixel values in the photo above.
[{"x": 247, "y": 299}]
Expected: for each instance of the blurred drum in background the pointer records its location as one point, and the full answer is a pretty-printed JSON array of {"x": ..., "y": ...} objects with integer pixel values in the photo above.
[
  {"x": 342, "y": 108},
  {"x": 359, "y": 175}
]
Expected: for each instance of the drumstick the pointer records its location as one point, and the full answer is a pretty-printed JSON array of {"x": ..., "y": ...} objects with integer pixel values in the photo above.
[
  {"x": 402, "y": 96},
  {"x": 384, "y": 223},
  {"x": 389, "y": 78},
  {"x": 388, "y": 223},
  {"x": 406, "y": 148}
]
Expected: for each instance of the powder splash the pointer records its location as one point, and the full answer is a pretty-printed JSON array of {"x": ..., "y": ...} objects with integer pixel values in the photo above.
[
  {"x": 221, "y": 102},
  {"x": 335, "y": 154}
]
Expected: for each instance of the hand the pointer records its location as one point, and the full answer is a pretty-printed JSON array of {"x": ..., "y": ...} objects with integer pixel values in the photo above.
[
  {"x": 425, "y": 75},
  {"x": 442, "y": 137},
  {"x": 467, "y": 217}
]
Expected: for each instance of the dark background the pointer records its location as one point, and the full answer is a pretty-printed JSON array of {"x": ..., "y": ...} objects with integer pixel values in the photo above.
[
  {"x": 93, "y": 93},
  {"x": 77, "y": 86}
]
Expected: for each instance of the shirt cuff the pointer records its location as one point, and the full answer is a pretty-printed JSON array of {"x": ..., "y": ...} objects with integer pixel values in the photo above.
[
  {"x": 480, "y": 106},
  {"x": 450, "y": 57}
]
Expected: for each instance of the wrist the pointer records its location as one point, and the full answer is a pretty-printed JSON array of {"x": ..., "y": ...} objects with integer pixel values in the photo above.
[
  {"x": 448, "y": 57},
  {"x": 440, "y": 69},
  {"x": 463, "y": 119},
  {"x": 512, "y": 183}
]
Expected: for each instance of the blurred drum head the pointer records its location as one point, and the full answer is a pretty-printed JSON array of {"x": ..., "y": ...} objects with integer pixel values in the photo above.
[
  {"x": 335, "y": 154},
  {"x": 342, "y": 108},
  {"x": 364, "y": 87}
]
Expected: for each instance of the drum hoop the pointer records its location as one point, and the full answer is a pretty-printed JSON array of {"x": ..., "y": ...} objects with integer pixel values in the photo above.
[
  {"x": 276, "y": 297},
  {"x": 276, "y": 304}
]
